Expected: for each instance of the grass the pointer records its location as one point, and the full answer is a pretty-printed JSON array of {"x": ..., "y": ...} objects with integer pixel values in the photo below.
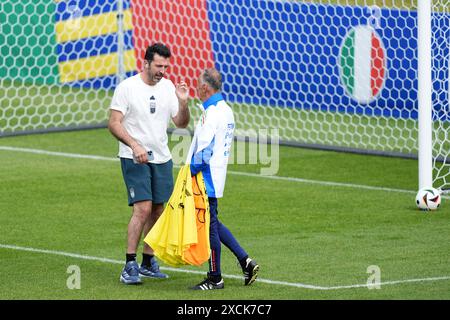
[{"x": 299, "y": 232}]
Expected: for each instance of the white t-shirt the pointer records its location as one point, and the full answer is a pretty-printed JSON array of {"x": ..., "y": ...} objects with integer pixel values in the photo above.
[{"x": 147, "y": 111}]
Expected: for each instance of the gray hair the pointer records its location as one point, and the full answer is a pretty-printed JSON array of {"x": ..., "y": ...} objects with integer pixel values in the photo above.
[{"x": 213, "y": 78}]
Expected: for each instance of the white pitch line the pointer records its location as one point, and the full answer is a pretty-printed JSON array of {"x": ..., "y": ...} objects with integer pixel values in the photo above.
[
  {"x": 271, "y": 282},
  {"x": 58, "y": 154},
  {"x": 390, "y": 283},
  {"x": 245, "y": 174}
]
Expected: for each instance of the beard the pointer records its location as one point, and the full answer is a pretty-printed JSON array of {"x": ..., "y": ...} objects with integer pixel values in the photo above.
[{"x": 157, "y": 77}]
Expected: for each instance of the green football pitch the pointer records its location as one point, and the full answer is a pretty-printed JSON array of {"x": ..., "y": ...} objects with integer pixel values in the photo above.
[{"x": 323, "y": 227}]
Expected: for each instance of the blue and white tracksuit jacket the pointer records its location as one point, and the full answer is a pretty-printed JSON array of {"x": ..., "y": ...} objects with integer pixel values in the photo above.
[{"x": 210, "y": 148}]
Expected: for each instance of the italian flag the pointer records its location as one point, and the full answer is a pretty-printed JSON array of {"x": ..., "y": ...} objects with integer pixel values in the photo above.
[{"x": 363, "y": 63}]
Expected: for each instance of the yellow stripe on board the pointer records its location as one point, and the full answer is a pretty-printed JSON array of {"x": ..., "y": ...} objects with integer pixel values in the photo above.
[
  {"x": 94, "y": 67},
  {"x": 91, "y": 26}
]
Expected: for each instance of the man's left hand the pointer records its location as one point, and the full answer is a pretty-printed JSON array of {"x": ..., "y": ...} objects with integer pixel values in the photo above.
[{"x": 182, "y": 92}]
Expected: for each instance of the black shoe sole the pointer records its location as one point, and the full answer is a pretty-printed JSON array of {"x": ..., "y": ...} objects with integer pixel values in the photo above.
[{"x": 254, "y": 275}]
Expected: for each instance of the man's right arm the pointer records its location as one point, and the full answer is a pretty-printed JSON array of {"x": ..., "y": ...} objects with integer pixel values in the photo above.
[
  {"x": 202, "y": 156},
  {"x": 116, "y": 128}
]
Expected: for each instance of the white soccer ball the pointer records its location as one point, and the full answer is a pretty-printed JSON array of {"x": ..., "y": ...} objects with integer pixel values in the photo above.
[{"x": 428, "y": 199}]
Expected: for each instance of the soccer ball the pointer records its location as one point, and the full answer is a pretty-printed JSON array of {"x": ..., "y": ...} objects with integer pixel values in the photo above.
[{"x": 428, "y": 199}]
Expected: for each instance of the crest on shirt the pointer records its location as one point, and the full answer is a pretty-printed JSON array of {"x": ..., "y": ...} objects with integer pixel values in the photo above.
[{"x": 152, "y": 104}]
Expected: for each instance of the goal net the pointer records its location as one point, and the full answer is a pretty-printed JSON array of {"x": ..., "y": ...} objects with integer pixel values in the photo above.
[{"x": 338, "y": 75}]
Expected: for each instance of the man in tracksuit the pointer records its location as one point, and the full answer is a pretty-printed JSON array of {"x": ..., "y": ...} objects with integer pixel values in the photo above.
[{"x": 209, "y": 154}]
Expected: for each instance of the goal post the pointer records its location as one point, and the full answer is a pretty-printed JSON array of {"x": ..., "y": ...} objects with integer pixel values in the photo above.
[
  {"x": 424, "y": 94},
  {"x": 120, "y": 43}
]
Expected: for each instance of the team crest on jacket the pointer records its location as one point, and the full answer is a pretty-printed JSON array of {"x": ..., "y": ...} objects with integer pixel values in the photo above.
[{"x": 203, "y": 118}]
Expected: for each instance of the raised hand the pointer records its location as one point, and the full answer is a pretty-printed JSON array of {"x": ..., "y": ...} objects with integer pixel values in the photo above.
[{"x": 182, "y": 91}]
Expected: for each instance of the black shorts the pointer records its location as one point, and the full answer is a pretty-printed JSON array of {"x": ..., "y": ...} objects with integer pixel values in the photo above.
[{"x": 148, "y": 181}]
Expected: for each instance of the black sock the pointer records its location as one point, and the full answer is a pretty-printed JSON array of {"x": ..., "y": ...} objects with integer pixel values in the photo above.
[
  {"x": 215, "y": 278},
  {"x": 243, "y": 262},
  {"x": 131, "y": 257},
  {"x": 146, "y": 258}
]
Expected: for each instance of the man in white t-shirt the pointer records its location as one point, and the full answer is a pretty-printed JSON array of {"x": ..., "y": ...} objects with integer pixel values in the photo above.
[{"x": 141, "y": 109}]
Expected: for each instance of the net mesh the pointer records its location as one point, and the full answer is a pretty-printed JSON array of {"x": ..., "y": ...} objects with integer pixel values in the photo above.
[{"x": 339, "y": 74}]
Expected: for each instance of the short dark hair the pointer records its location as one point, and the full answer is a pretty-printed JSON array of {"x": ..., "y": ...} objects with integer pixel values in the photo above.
[
  {"x": 158, "y": 48},
  {"x": 213, "y": 78}
]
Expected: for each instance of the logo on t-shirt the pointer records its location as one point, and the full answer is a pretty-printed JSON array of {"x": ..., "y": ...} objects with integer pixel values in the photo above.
[{"x": 152, "y": 104}]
